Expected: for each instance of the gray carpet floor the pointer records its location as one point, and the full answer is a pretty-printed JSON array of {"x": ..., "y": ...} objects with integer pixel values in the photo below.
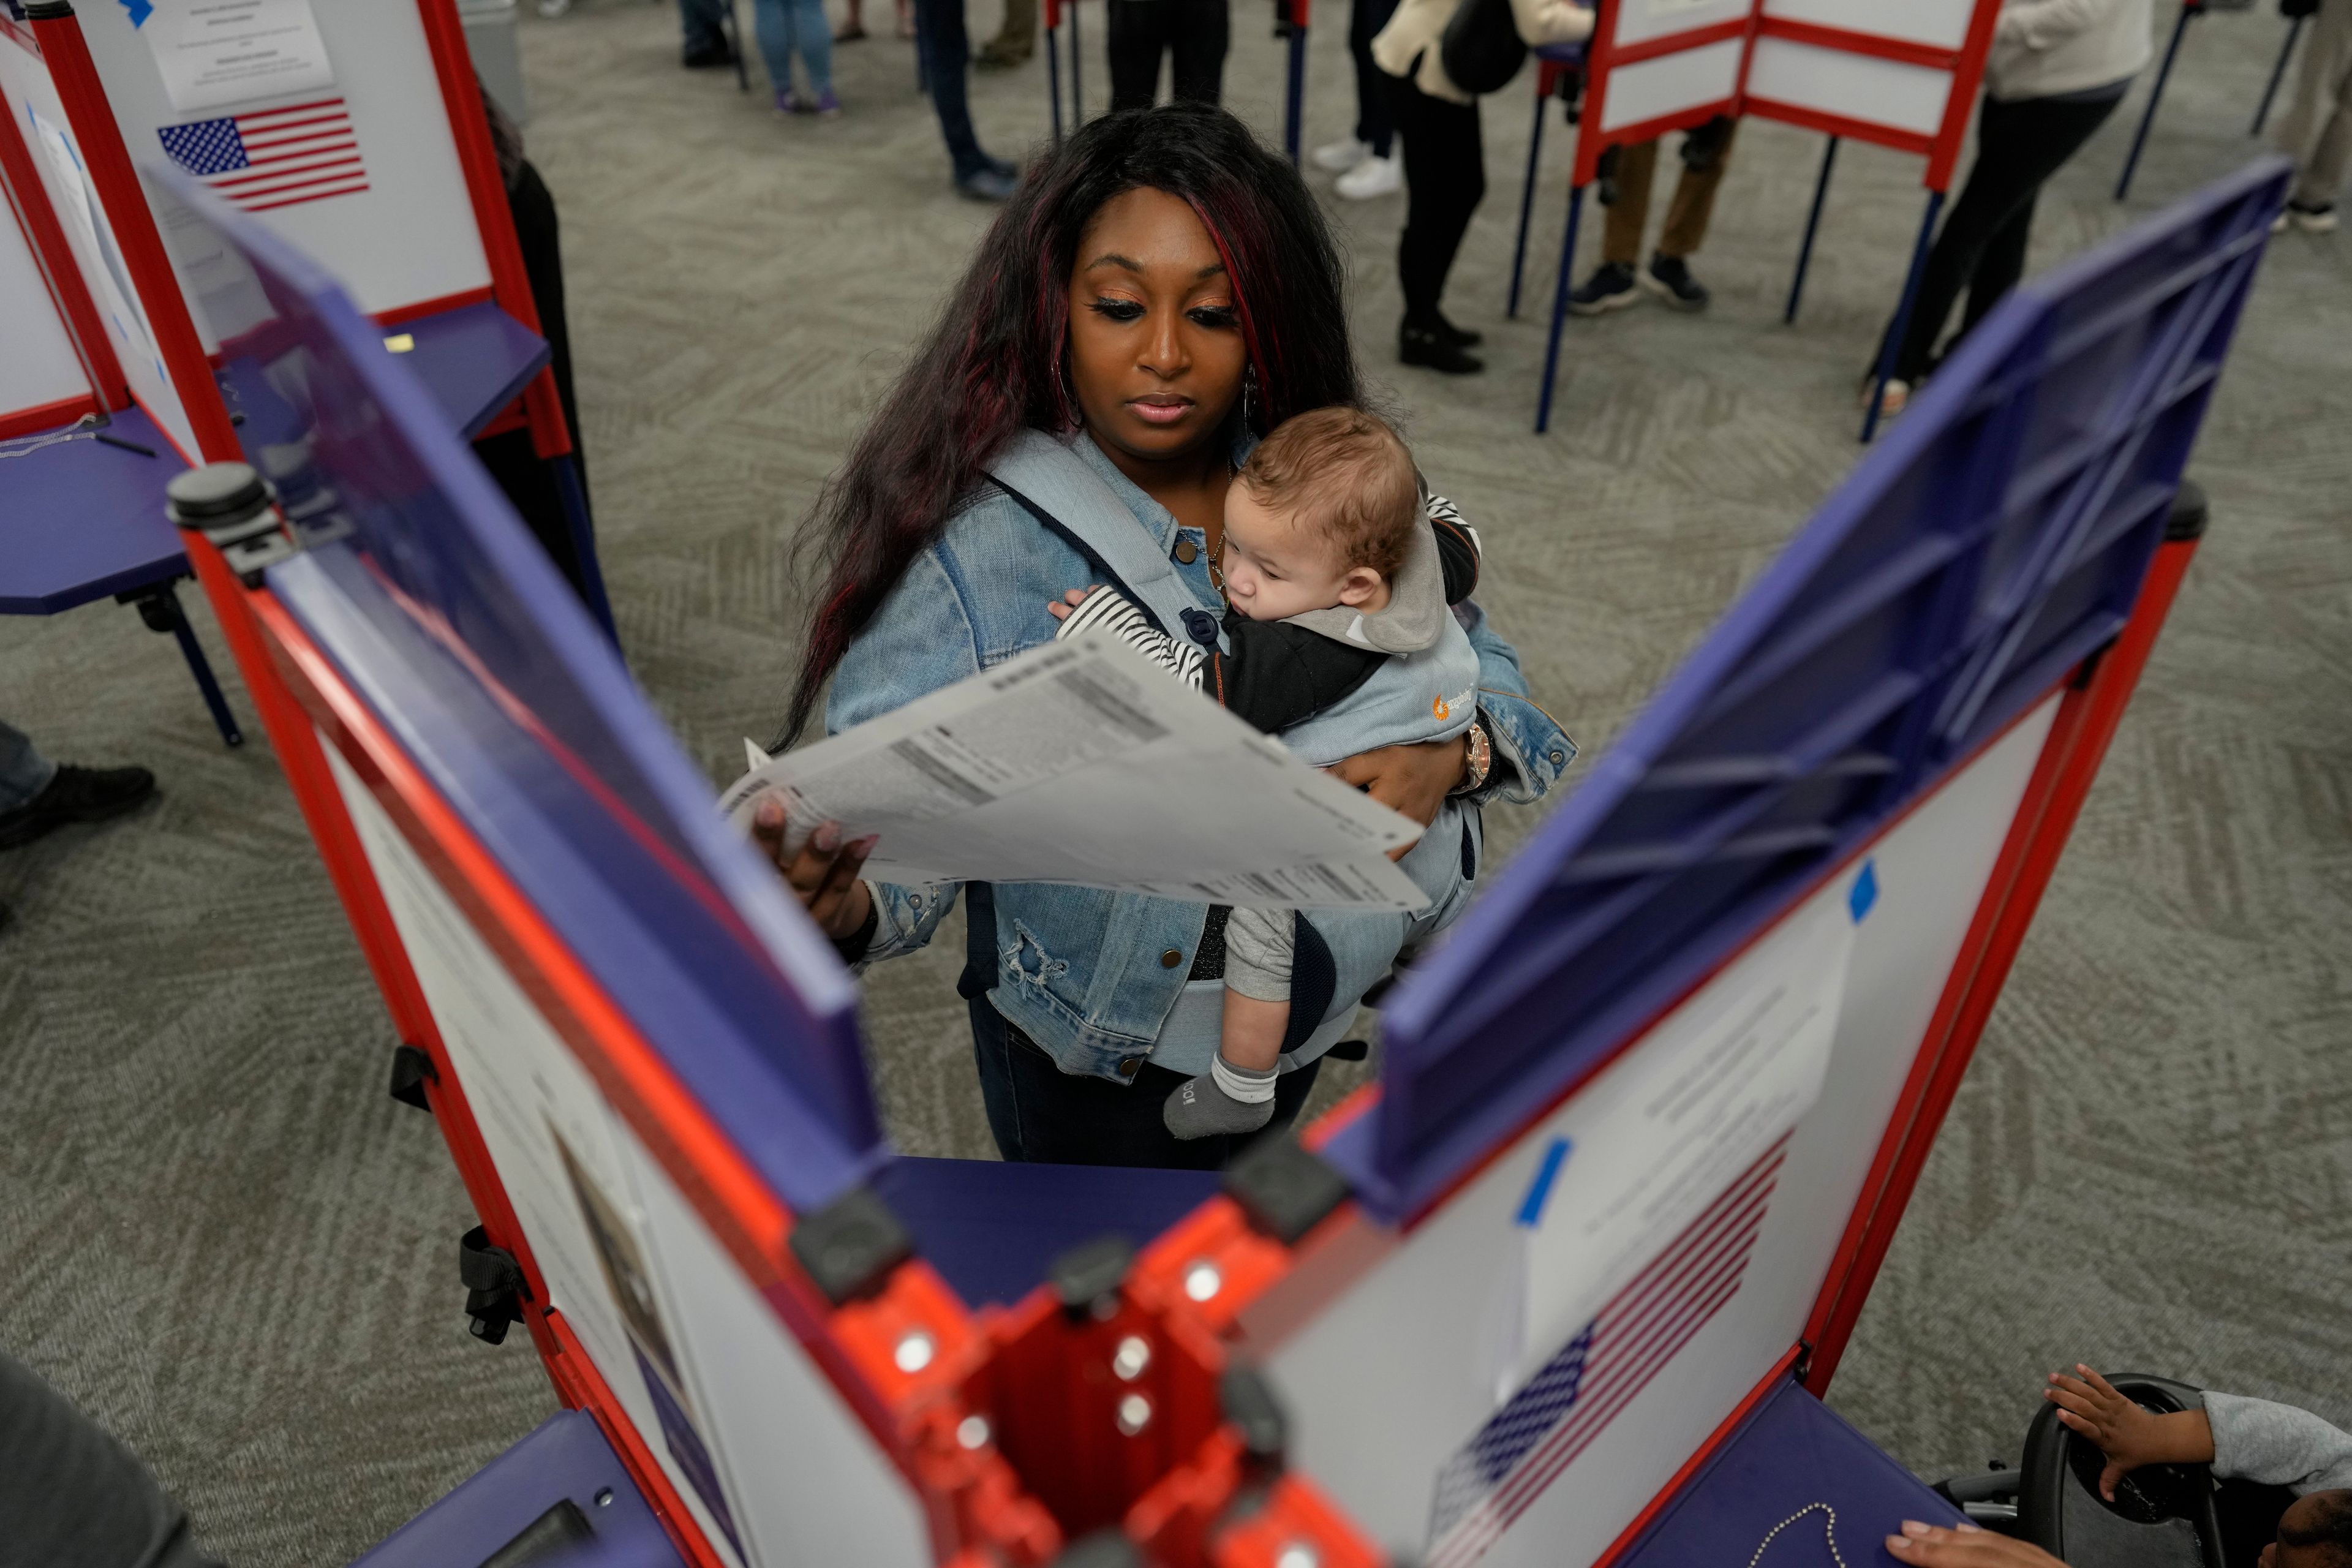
[{"x": 219, "y": 1235}]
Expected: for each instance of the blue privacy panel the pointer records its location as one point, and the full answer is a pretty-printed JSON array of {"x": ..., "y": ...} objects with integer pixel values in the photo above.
[
  {"x": 445, "y": 615},
  {"x": 1989, "y": 543}
]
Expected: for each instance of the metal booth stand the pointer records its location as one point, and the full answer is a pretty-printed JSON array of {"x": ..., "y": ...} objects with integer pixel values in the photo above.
[{"x": 1562, "y": 1288}]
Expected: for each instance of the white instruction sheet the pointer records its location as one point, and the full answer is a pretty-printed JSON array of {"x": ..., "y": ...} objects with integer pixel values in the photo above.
[
  {"x": 1670, "y": 1126},
  {"x": 213, "y": 53},
  {"x": 1081, "y": 763}
]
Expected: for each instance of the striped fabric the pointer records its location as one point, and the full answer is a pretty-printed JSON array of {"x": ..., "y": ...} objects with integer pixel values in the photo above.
[{"x": 1498, "y": 1475}]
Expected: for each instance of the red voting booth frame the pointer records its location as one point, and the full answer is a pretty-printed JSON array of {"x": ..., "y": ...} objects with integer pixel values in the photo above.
[
  {"x": 980, "y": 1511},
  {"x": 1606, "y": 55}
]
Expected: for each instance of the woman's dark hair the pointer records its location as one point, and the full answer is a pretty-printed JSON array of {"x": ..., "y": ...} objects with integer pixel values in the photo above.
[{"x": 995, "y": 361}]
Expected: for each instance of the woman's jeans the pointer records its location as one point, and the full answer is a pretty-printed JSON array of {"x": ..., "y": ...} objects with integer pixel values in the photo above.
[
  {"x": 1982, "y": 246},
  {"x": 1038, "y": 1112},
  {"x": 947, "y": 63},
  {"x": 788, "y": 25},
  {"x": 24, "y": 772}
]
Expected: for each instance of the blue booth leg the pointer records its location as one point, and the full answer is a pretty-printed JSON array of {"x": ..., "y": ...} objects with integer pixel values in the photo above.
[
  {"x": 1560, "y": 307},
  {"x": 159, "y": 608},
  {"x": 2154, "y": 97},
  {"x": 1293, "y": 110},
  {"x": 1894, "y": 345},
  {"x": 1053, "y": 76},
  {"x": 1812, "y": 222},
  {"x": 583, "y": 542},
  {"x": 1527, "y": 202},
  {"x": 1077, "y": 82},
  {"x": 2278, "y": 74}
]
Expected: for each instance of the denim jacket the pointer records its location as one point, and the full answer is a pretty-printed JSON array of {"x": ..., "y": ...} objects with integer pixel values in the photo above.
[{"x": 1096, "y": 978}]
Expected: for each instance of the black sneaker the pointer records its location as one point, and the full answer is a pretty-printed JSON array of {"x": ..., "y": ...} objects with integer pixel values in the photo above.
[
  {"x": 1611, "y": 287},
  {"x": 1460, "y": 337},
  {"x": 1432, "y": 349},
  {"x": 76, "y": 794},
  {"x": 710, "y": 56},
  {"x": 1669, "y": 279}
]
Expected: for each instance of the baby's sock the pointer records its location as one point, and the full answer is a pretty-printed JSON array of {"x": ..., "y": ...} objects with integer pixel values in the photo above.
[{"x": 1225, "y": 1098}]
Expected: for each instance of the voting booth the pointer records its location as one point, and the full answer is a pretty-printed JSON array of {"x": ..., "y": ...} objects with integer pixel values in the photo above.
[
  {"x": 354, "y": 128},
  {"x": 1562, "y": 1287},
  {"x": 1902, "y": 77},
  {"x": 2188, "y": 11}
]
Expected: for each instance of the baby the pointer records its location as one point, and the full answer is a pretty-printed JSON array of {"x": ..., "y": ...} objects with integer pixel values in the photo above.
[{"x": 1329, "y": 573}]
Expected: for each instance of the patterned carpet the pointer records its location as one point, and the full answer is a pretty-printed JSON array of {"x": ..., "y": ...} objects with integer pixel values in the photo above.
[{"x": 222, "y": 1237}]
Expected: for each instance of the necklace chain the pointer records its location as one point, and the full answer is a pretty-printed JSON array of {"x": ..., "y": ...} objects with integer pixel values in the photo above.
[{"x": 1829, "y": 1531}]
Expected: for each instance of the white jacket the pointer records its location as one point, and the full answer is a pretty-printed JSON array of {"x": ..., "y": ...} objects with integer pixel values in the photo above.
[
  {"x": 1414, "y": 31},
  {"x": 2042, "y": 48}
]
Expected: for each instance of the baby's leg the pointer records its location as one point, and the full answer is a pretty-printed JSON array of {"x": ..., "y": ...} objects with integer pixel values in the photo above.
[{"x": 1236, "y": 1094}]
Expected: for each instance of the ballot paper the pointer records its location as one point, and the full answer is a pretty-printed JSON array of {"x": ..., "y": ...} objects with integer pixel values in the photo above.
[
  {"x": 217, "y": 52},
  {"x": 1081, "y": 763},
  {"x": 1670, "y": 1126}
]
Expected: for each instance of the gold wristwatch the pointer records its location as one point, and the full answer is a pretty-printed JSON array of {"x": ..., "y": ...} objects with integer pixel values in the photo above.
[{"x": 1478, "y": 756}]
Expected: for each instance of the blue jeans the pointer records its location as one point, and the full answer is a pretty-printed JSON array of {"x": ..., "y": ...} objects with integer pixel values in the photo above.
[
  {"x": 785, "y": 25},
  {"x": 947, "y": 62},
  {"x": 699, "y": 18},
  {"x": 24, "y": 772}
]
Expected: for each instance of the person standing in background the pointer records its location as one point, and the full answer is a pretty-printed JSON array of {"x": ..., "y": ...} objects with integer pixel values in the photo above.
[
  {"x": 787, "y": 28},
  {"x": 1016, "y": 40},
  {"x": 1444, "y": 161},
  {"x": 2318, "y": 131},
  {"x": 853, "y": 26},
  {"x": 36, "y": 797},
  {"x": 2057, "y": 70},
  {"x": 1193, "y": 33},
  {"x": 1366, "y": 161},
  {"x": 706, "y": 40},
  {"x": 947, "y": 73},
  {"x": 1707, "y": 150}
]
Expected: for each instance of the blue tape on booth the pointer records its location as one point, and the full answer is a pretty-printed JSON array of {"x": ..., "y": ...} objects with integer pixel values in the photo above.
[{"x": 1989, "y": 545}]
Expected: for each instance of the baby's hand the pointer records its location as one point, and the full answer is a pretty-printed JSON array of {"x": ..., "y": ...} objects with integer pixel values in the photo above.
[
  {"x": 2129, "y": 1435},
  {"x": 1062, "y": 606}
]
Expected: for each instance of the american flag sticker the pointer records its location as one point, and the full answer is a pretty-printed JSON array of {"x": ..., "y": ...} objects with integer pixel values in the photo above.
[
  {"x": 1498, "y": 1475},
  {"x": 273, "y": 157}
]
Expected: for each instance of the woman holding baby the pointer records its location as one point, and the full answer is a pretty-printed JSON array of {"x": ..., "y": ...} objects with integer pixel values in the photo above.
[{"x": 1160, "y": 295}]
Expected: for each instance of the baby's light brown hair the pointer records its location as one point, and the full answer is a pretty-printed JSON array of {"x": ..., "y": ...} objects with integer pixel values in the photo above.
[{"x": 1346, "y": 474}]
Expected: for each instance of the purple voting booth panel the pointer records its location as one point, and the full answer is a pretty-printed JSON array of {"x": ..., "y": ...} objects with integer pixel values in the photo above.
[
  {"x": 443, "y": 613},
  {"x": 1991, "y": 542}
]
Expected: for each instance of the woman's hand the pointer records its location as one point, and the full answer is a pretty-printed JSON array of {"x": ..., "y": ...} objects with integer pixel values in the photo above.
[
  {"x": 2129, "y": 1434},
  {"x": 1413, "y": 779},
  {"x": 1932, "y": 1546},
  {"x": 821, "y": 870}
]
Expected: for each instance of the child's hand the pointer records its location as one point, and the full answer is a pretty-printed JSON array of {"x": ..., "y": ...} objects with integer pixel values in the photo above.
[
  {"x": 1932, "y": 1546},
  {"x": 1070, "y": 601},
  {"x": 2129, "y": 1434}
]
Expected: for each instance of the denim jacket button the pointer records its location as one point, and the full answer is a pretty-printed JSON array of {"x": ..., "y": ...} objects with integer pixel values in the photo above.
[
  {"x": 1558, "y": 758},
  {"x": 1172, "y": 958},
  {"x": 1187, "y": 551},
  {"x": 1131, "y": 1066}
]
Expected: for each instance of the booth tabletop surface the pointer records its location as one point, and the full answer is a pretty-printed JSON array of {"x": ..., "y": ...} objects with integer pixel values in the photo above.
[
  {"x": 83, "y": 520},
  {"x": 563, "y": 1460},
  {"x": 1794, "y": 1464},
  {"x": 474, "y": 360}
]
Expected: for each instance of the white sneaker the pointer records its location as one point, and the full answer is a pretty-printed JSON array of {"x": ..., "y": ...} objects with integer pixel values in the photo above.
[
  {"x": 1339, "y": 157},
  {"x": 1372, "y": 177}
]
